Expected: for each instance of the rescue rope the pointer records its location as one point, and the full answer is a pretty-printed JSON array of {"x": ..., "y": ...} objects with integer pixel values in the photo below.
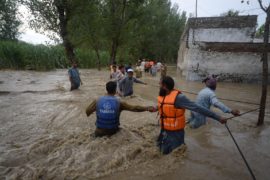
[
  {"x": 252, "y": 110},
  {"x": 244, "y": 102},
  {"x": 249, "y": 169}
]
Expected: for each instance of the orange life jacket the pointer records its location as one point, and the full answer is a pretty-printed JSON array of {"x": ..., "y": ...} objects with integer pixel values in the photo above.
[{"x": 171, "y": 118}]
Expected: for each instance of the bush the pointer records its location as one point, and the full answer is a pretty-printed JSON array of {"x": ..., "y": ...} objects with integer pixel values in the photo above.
[{"x": 21, "y": 55}]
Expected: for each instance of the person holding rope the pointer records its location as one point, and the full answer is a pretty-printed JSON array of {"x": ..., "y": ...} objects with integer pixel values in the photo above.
[
  {"x": 108, "y": 109},
  {"x": 171, "y": 106},
  {"x": 126, "y": 84},
  {"x": 207, "y": 98}
]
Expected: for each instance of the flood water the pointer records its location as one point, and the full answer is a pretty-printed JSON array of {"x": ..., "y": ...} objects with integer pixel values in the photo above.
[{"x": 45, "y": 133}]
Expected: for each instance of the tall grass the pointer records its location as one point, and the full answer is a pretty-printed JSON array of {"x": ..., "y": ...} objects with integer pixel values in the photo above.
[{"x": 21, "y": 55}]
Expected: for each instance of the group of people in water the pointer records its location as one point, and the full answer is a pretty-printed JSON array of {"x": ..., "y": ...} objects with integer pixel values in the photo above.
[
  {"x": 152, "y": 67},
  {"x": 171, "y": 106}
]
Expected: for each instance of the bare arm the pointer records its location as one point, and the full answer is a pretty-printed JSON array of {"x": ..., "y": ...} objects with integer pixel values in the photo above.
[
  {"x": 91, "y": 108},
  {"x": 134, "y": 108}
]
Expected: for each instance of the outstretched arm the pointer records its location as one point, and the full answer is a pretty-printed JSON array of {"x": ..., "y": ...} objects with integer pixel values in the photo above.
[
  {"x": 91, "y": 108},
  {"x": 183, "y": 102},
  {"x": 134, "y": 108},
  {"x": 215, "y": 102},
  {"x": 138, "y": 81}
]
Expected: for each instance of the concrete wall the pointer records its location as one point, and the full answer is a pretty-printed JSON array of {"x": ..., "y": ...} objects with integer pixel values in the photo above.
[
  {"x": 195, "y": 63},
  {"x": 223, "y": 34}
]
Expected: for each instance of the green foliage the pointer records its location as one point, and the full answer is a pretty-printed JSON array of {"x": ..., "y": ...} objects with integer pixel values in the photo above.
[
  {"x": 9, "y": 23},
  {"x": 45, "y": 17},
  {"x": 124, "y": 29},
  {"x": 20, "y": 55},
  {"x": 158, "y": 31},
  {"x": 132, "y": 29},
  {"x": 260, "y": 31}
]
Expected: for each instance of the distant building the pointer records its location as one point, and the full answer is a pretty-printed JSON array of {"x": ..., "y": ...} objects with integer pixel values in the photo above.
[{"x": 223, "y": 46}]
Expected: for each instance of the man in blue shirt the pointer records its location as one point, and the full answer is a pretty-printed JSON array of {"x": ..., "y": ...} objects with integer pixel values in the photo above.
[
  {"x": 206, "y": 98},
  {"x": 74, "y": 77},
  {"x": 108, "y": 109}
]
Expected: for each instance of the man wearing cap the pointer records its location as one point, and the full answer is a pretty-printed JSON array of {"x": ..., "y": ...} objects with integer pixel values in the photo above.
[
  {"x": 126, "y": 84},
  {"x": 207, "y": 98}
]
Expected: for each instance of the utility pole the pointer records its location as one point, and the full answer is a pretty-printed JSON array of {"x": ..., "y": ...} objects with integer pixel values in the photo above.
[{"x": 196, "y": 9}]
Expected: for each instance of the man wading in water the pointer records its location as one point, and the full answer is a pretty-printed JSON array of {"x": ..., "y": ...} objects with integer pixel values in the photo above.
[
  {"x": 206, "y": 98},
  {"x": 126, "y": 84},
  {"x": 108, "y": 109},
  {"x": 74, "y": 77},
  {"x": 171, "y": 106}
]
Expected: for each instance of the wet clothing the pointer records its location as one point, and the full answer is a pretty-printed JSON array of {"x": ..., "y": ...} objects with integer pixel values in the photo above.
[
  {"x": 154, "y": 70},
  {"x": 142, "y": 65},
  {"x": 206, "y": 98},
  {"x": 126, "y": 85},
  {"x": 105, "y": 132},
  {"x": 75, "y": 78},
  {"x": 122, "y": 106},
  {"x": 115, "y": 75},
  {"x": 169, "y": 140},
  {"x": 108, "y": 112},
  {"x": 171, "y": 118},
  {"x": 159, "y": 65},
  {"x": 163, "y": 71}
]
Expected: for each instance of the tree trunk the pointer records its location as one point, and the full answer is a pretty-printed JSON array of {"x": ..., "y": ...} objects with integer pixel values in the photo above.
[
  {"x": 115, "y": 40},
  {"x": 264, "y": 70},
  {"x": 63, "y": 18},
  {"x": 114, "y": 51},
  {"x": 98, "y": 59}
]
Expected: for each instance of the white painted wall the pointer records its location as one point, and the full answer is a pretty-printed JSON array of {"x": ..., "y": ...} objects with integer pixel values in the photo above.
[
  {"x": 222, "y": 34},
  {"x": 195, "y": 64}
]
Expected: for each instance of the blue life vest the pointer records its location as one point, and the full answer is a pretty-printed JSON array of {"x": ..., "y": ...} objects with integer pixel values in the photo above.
[{"x": 107, "y": 110}]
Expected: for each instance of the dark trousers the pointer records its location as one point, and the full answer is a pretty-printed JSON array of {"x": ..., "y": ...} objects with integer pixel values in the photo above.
[
  {"x": 169, "y": 140},
  {"x": 74, "y": 86},
  {"x": 105, "y": 132}
]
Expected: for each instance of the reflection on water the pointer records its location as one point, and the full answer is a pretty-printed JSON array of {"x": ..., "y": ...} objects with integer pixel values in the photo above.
[{"x": 45, "y": 133}]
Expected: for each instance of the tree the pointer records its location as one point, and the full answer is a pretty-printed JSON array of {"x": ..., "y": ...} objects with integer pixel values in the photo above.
[
  {"x": 117, "y": 14},
  {"x": 158, "y": 30},
  {"x": 52, "y": 16},
  {"x": 9, "y": 22},
  {"x": 230, "y": 13},
  {"x": 266, "y": 9},
  {"x": 86, "y": 26}
]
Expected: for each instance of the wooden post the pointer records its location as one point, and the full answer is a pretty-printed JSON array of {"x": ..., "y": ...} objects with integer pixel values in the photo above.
[{"x": 264, "y": 65}]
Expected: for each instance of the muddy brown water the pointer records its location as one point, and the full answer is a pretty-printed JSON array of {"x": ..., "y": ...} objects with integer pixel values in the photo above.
[{"x": 45, "y": 134}]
